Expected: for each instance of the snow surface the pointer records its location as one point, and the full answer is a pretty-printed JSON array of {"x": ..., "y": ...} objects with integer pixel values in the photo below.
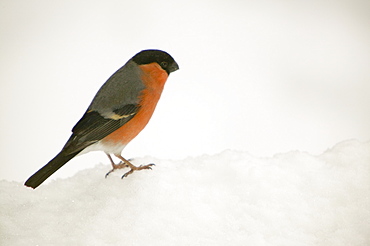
[{"x": 231, "y": 198}]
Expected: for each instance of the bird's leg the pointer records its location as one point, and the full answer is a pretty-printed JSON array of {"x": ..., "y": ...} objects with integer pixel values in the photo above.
[
  {"x": 132, "y": 167},
  {"x": 115, "y": 166}
]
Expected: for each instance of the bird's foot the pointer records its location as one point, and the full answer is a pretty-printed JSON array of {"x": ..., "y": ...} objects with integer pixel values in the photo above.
[
  {"x": 126, "y": 163},
  {"x": 135, "y": 168},
  {"x": 120, "y": 165}
]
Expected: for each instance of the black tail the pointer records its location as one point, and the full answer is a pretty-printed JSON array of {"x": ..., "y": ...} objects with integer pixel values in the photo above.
[{"x": 50, "y": 168}]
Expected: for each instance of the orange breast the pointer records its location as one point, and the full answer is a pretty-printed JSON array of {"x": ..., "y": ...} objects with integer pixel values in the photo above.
[{"x": 154, "y": 78}]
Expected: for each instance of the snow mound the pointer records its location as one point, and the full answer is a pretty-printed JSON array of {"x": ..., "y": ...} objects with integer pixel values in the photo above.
[{"x": 231, "y": 198}]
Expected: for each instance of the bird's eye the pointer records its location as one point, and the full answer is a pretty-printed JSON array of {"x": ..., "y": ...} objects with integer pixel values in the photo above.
[{"x": 164, "y": 64}]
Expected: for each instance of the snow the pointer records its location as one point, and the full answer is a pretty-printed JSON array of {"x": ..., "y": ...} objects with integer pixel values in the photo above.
[{"x": 231, "y": 198}]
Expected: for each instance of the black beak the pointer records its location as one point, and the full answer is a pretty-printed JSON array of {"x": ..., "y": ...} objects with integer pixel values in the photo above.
[{"x": 173, "y": 67}]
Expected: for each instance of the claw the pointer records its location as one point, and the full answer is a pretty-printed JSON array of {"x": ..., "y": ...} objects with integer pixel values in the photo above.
[
  {"x": 106, "y": 175},
  {"x": 117, "y": 166},
  {"x": 126, "y": 163},
  {"x": 149, "y": 166},
  {"x": 128, "y": 173},
  {"x": 134, "y": 168}
]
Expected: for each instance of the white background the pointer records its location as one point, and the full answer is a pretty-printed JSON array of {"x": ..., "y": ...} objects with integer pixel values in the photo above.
[{"x": 265, "y": 77}]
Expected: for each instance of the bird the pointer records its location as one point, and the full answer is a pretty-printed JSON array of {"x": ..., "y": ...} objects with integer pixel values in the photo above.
[{"x": 121, "y": 108}]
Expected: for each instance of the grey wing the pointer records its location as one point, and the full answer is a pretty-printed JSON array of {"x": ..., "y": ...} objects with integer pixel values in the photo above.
[
  {"x": 116, "y": 103},
  {"x": 93, "y": 127}
]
